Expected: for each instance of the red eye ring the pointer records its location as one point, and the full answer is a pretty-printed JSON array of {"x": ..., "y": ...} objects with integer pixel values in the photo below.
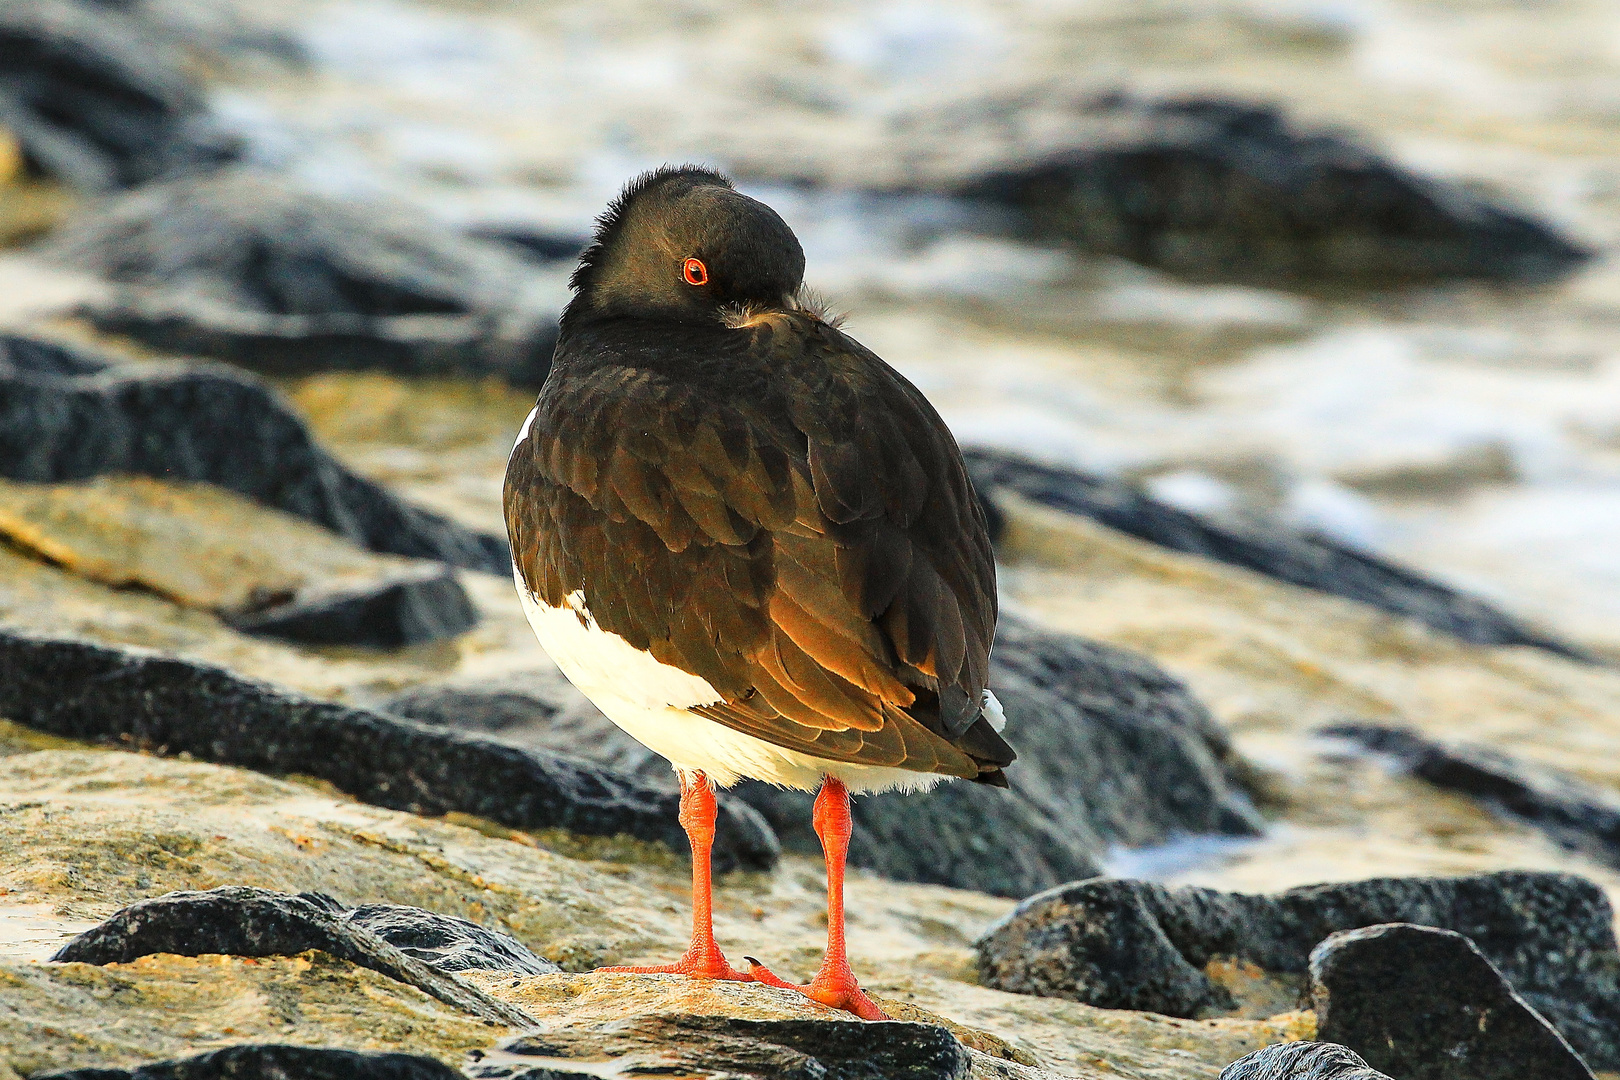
[{"x": 695, "y": 272}]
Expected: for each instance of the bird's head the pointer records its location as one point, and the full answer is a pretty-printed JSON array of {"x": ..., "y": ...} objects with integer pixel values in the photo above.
[{"x": 683, "y": 244}]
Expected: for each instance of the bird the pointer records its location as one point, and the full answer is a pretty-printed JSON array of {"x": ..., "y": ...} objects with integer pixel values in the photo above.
[{"x": 748, "y": 540}]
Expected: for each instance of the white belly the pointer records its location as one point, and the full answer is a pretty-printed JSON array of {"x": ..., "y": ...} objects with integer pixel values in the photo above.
[{"x": 649, "y": 700}]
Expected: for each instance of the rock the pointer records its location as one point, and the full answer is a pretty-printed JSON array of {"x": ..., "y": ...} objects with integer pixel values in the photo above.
[
  {"x": 1113, "y": 752},
  {"x": 276, "y": 1063},
  {"x": 68, "y": 414},
  {"x": 725, "y": 1046},
  {"x": 97, "y": 100},
  {"x": 1301, "y": 1061},
  {"x": 1138, "y": 945},
  {"x": 240, "y": 921},
  {"x": 261, "y": 571},
  {"x": 1230, "y": 191},
  {"x": 1582, "y": 816},
  {"x": 427, "y": 605},
  {"x": 538, "y": 244},
  {"x": 91, "y": 692},
  {"x": 1306, "y": 559},
  {"x": 251, "y": 269},
  {"x": 446, "y": 942},
  {"x": 1425, "y": 1004}
]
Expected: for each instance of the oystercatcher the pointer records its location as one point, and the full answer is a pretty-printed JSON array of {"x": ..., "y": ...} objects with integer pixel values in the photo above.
[{"x": 747, "y": 539}]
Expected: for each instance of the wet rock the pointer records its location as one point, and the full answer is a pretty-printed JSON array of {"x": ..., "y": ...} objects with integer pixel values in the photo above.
[
  {"x": 1301, "y": 1061},
  {"x": 446, "y": 942},
  {"x": 1138, "y": 945},
  {"x": 1230, "y": 191},
  {"x": 1113, "y": 752},
  {"x": 1577, "y": 814},
  {"x": 1306, "y": 559},
  {"x": 723, "y": 1046},
  {"x": 97, "y": 100},
  {"x": 68, "y": 414},
  {"x": 1425, "y": 1004},
  {"x": 241, "y": 921},
  {"x": 101, "y": 694},
  {"x": 428, "y": 604},
  {"x": 276, "y": 1063},
  {"x": 251, "y": 269}
]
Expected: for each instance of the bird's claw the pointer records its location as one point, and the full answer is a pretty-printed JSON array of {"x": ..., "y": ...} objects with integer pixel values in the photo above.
[
  {"x": 696, "y": 964},
  {"x": 835, "y": 989}
]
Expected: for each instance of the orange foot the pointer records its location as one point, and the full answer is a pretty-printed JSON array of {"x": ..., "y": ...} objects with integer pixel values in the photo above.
[
  {"x": 834, "y": 985},
  {"x": 698, "y": 963}
]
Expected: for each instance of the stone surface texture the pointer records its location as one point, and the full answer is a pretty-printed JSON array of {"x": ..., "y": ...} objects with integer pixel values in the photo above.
[
  {"x": 1133, "y": 944},
  {"x": 274, "y": 1062},
  {"x": 1425, "y": 1004},
  {"x": 69, "y": 414},
  {"x": 1302, "y": 1061}
]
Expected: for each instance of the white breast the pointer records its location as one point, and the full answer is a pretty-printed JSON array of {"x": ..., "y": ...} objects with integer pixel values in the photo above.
[{"x": 650, "y": 701}]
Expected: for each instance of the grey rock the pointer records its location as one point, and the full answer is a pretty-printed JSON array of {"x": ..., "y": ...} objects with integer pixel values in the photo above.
[
  {"x": 1231, "y": 191},
  {"x": 97, "y": 100},
  {"x": 127, "y": 698},
  {"x": 249, "y": 268},
  {"x": 1113, "y": 751},
  {"x": 1133, "y": 944},
  {"x": 67, "y": 414},
  {"x": 1425, "y": 1004},
  {"x": 724, "y": 1046},
  {"x": 275, "y": 1062},
  {"x": 1278, "y": 551},
  {"x": 1301, "y": 1061},
  {"x": 410, "y": 607},
  {"x": 241, "y": 921},
  {"x": 1579, "y": 815},
  {"x": 446, "y": 942}
]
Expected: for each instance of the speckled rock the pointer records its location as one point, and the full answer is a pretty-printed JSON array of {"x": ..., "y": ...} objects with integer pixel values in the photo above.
[
  {"x": 69, "y": 414},
  {"x": 251, "y": 268},
  {"x": 1425, "y": 1004},
  {"x": 84, "y": 691},
  {"x": 1302, "y": 1061},
  {"x": 1308, "y": 559},
  {"x": 445, "y": 942},
  {"x": 275, "y": 1063},
  {"x": 1226, "y": 190},
  {"x": 1132, "y": 944},
  {"x": 242, "y": 921}
]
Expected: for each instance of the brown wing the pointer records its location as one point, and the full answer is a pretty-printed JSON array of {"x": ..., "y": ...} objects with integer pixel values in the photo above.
[{"x": 785, "y": 517}]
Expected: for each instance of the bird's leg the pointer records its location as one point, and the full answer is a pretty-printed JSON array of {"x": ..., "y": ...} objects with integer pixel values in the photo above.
[
  {"x": 835, "y": 983},
  {"x": 704, "y": 959}
]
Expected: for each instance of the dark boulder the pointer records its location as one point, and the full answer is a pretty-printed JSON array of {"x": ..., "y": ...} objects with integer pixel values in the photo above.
[
  {"x": 1425, "y": 1004},
  {"x": 1579, "y": 815},
  {"x": 97, "y": 100},
  {"x": 446, "y": 942},
  {"x": 1223, "y": 190},
  {"x": 1277, "y": 551},
  {"x": 1301, "y": 1061},
  {"x": 134, "y": 699},
  {"x": 275, "y": 1062},
  {"x": 67, "y": 414},
  {"x": 411, "y": 607},
  {"x": 241, "y": 921},
  {"x": 251, "y": 269},
  {"x": 725, "y": 1046},
  {"x": 1132, "y": 944},
  {"x": 1113, "y": 752}
]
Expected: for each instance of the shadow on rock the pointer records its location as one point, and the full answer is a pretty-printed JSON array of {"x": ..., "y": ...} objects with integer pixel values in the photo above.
[{"x": 252, "y": 269}]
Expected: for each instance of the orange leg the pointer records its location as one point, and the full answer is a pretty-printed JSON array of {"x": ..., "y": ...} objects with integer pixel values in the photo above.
[
  {"x": 704, "y": 959},
  {"x": 835, "y": 983}
]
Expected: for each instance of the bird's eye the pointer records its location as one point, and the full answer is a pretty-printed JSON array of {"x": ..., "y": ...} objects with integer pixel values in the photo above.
[{"x": 695, "y": 272}]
